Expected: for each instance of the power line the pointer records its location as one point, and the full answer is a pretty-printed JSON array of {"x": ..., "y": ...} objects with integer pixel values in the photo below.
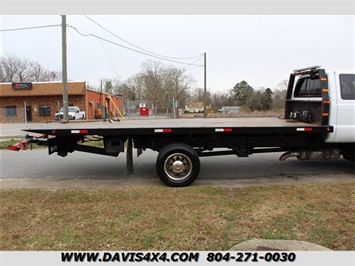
[
  {"x": 109, "y": 59},
  {"x": 82, "y": 51},
  {"x": 32, "y": 28},
  {"x": 192, "y": 64},
  {"x": 145, "y": 52},
  {"x": 134, "y": 50},
  {"x": 169, "y": 57}
]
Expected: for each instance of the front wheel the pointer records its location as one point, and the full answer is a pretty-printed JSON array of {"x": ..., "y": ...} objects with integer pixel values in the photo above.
[{"x": 178, "y": 165}]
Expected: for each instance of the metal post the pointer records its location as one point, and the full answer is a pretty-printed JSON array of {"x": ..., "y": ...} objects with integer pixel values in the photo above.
[
  {"x": 204, "y": 88},
  {"x": 173, "y": 111},
  {"x": 58, "y": 110},
  {"x": 64, "y": 68},
  {"x": 25, "y": 106},
  {"x": 128, "y": 114}
]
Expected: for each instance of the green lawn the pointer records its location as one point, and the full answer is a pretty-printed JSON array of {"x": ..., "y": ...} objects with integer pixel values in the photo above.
[{"x": 193, "y": 218}]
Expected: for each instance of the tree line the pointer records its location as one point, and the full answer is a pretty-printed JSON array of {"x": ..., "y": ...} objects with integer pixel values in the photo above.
[
  {"x": 16, "y": 69},
  {"x": 156, "y": 83}
]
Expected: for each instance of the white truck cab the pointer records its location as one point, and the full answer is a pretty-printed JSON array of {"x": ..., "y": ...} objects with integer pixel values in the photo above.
[
  {"x": 323, "y": 97},
  {"x": 342, "y": 107}
]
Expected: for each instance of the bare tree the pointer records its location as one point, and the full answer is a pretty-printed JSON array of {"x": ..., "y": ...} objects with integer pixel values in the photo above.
[
  {"x": 39, "y": 73},
  {"x": 15, "y": 69},
  {"x": 7, "y": 69},
  {"x": 198, "y": 96},
  {"x": 176, "y": 85},
  {"x": 279, "y": 95},
  {"x": 153, "y": 83},
  {"x": 132, "y": 88},
  {"x": 111, "y": 86},
  {"x": 54, "y": 75},
  {"x": 220, "y": 99}
]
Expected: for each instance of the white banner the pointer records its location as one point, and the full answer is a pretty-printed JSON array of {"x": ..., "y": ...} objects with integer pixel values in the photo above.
[{"x": 296, "y": 258}]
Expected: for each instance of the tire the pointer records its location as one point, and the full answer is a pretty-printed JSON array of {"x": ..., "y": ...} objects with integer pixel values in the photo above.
[
  {"x": 349, "y": 155},
  {"x": 178, "y": 165}
]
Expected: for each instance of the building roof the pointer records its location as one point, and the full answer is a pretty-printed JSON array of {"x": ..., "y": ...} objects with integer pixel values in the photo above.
[
  {"x": 195, "y": 105},
  {"x": 43, "y": 89},
  {"x": 98, "y": 92}
]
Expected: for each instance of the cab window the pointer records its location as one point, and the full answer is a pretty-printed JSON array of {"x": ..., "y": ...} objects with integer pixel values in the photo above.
[{"x": 347, "y": 86}]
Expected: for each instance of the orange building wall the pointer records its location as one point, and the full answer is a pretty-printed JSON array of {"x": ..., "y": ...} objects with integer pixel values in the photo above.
[{"x": 94, "y": 98}]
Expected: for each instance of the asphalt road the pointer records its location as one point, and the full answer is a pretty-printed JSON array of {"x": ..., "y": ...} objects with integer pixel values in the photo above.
[{"x": 93, "y": 170}]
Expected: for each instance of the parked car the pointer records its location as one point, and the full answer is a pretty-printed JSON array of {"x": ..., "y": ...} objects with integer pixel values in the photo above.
[{"x": 74, "y": 113}]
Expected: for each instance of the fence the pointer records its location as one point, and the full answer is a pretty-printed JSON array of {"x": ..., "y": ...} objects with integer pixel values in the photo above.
[{"x": 44, "y": 113}]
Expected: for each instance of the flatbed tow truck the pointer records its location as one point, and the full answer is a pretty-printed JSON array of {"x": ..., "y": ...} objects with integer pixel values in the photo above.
[{"x": 319, "y": 123}]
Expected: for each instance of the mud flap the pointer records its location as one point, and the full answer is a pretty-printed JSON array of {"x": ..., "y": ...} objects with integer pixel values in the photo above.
[{"x": 129, "y": 156}]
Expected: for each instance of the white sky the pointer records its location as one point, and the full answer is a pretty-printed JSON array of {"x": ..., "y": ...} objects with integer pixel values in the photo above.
[{"x": 260, "y": 49}]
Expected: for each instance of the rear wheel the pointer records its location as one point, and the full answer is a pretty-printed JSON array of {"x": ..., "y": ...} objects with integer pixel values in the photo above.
[
  {"x": 178, "y": 165},
  {"x": 349, "y": 155}
]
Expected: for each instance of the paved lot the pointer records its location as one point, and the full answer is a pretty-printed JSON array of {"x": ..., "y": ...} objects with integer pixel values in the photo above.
[
  {"x": 259, "y": 169},
  {"x": 14, "y": 129},
  {"x": 80, "y": 170}
]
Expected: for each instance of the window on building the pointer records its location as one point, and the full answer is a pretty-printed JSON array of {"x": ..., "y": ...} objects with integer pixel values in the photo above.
[
  {"x": 10, "y": 111},
  {"x": 347, "y": 86},
  {"x": 44, "y": 110}
]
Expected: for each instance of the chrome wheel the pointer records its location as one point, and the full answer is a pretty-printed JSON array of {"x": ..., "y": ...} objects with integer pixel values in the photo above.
[{"x": 178, "y": 166}]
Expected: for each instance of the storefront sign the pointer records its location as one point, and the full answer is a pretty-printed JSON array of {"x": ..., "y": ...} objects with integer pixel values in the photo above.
[{"x": 22, "y": 86}]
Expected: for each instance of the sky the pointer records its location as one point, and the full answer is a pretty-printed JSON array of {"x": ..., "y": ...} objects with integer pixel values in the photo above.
[{"x": 260, "y": 49}]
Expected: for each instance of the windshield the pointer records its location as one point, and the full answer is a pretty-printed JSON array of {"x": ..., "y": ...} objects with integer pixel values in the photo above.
[{"x": 70, "y": 109}]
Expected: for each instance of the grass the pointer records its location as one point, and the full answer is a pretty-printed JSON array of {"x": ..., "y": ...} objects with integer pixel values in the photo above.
[{"x": 193, "y": 218}]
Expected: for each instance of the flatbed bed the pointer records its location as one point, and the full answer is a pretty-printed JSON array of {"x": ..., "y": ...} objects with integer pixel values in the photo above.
[
  {"x": 317, "y": 125},
  {"x": 178, "y": 126},
  {"x": 180, "y": 142}
]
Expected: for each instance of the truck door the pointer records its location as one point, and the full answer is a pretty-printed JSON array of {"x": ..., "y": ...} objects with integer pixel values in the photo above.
[{"x": 345, "y": 126}]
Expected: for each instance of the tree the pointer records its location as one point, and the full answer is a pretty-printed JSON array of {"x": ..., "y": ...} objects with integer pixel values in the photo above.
[
  {"x": 261, "y": 101},
  {"x": 266, "y": 100},
  {"x": 15, "y": 69},
  {"x": 176, "y": 85},
  {"x": 254, "y": 103},
  {"x": 159, "y": 84},
  {"x": 279, "y": 95},
  {"x": 152, "y": 75},
  {"x": 242, "y": 91},
  {"x": 132, "y": 88},
  {"x": 219, "y": 99}
]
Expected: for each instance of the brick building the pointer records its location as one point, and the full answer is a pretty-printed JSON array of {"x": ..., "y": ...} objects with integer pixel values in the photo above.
[
  {"x": 102, "y": 101},
  {"x": 39, "y": 101}
]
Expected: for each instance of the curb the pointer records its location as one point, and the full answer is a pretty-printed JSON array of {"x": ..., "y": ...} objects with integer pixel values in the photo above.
[{"x": 3, "y": 137}]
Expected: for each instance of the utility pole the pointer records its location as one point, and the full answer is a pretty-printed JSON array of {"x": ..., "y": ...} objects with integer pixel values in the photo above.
[
  {"x": 204, "y": 87},
  {"x": 64, "y": 68}
]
